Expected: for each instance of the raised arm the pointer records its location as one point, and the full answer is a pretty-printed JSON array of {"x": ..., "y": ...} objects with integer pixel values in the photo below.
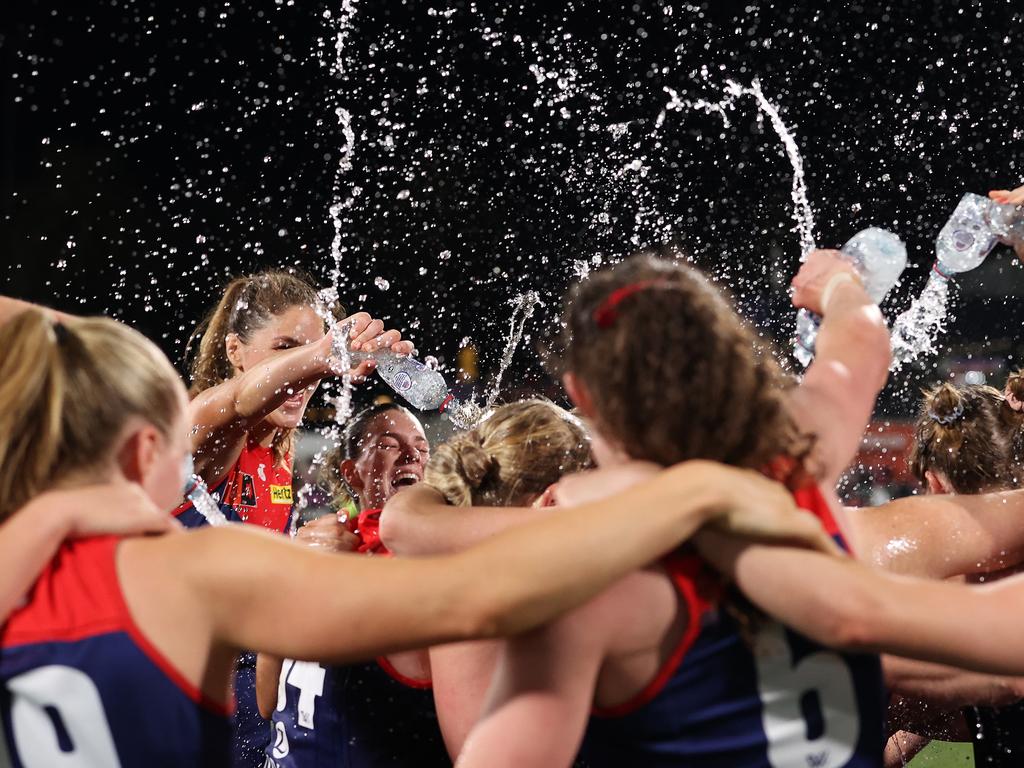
[
  {"x": 221, "y": 416},
  {"x": 941, "y": 536},
  {"x": 837, "y": 395},
  {"x": 842, "y": 603}
]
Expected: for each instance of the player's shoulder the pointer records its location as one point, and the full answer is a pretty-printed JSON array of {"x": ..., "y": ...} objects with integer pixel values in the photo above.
[{"x": 77, "y": 595}]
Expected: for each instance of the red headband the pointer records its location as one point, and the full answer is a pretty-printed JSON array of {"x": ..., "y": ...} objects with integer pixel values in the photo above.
[{"x": 607, "y": 311}]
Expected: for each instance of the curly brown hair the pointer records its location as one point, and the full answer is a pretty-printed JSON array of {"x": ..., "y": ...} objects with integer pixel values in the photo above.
[
  {"x": 969, "y": 435},
  {"x": 671, "y": 369}
]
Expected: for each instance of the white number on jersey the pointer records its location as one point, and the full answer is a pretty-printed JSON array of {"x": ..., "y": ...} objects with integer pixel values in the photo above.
[
  {"x": 308, "y": 677},
  {"x": 41, "y": 695},
  {"x": 783, "y": 684}
]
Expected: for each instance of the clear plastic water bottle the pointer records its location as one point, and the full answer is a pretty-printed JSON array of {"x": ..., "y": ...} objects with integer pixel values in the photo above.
[
  {"x": 879, "y": 257},
  {"x": 423, "y": 387},
  {"x": 969, "y": 235},
  {"x": 196, "y": 492}
]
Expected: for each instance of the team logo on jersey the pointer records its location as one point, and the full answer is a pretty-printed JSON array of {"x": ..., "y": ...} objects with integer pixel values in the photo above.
[
  {"x": 280, "y": 494},
  {"x": 247, "y": 491}
]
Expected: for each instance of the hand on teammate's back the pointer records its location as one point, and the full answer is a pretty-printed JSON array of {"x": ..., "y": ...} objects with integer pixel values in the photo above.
[
  {"x": 327, "y": 533},
  {"x": 111, "y": 509},
  {"x": 1010, "y": 197},
  {"x": 820, "y": 268}
]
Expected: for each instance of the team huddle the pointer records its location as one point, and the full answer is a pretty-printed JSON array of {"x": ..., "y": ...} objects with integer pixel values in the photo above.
[{"x": 661, "y": 576}]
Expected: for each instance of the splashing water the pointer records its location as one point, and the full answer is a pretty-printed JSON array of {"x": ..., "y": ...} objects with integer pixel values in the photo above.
[
  {"x": 916, "y": 331},
  {"x": 803, "y": 214},
  {"x": 522, "y": 310}
]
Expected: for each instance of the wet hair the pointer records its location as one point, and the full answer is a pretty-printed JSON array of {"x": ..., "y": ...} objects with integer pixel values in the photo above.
[
  {"x": 671, "y": 369},
  {"x": 967, "y": 434},
  {"x": 511, "y": 457},
  {"x": 248, "y": 304},
  {"x": 67, "y": 391},
  {"x": 350, "y": 447}
]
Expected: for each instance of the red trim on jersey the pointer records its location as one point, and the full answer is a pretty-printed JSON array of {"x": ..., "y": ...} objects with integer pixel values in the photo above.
[
  {"x": 411, "y": 682},
  {"x": 700, "y": 588},
  {"x": 165, "y": 665},
  {"x": 368, "y": 530},
  {"x": 700, "y": 591}
]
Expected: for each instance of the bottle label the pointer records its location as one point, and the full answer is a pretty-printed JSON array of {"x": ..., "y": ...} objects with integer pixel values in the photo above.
[
  {"x": 402, "y": 382},
  {"x": 962, "y": 239}
]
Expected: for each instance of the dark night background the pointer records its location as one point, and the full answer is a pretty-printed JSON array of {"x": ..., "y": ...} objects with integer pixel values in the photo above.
[{"x": 150, "y": 150}]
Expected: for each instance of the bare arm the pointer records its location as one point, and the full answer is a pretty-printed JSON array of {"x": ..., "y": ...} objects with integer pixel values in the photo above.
[
  {"x": 268, "y": 676},
  {"x": 837, "y": 395},
  {"x": 974, "y": 628},
  {"x": 30, "y": 538},
  {"x": 947, "y": 687},
  {"x": 544, "y": 677},
  {"x": 418, "y": 521},
  {"x": 221, "y": 416},
  {"x": 941, "y": 536}
]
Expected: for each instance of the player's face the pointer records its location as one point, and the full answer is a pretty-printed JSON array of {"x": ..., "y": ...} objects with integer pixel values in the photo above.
[
  {"x": 166, "y": 477},
  {"x": 393, "y": 454},
  {"x": 295, "y": 327}
]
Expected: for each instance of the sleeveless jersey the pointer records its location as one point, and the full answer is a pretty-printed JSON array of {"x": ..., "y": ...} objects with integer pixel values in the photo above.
[
  {"x": 81, "y": 686},
  {"x": 354, "y": 716},
  {"x": 254, "y": 491},
  {"x": 257, "y": 492},
  {"x": 358, "y": 715},
  {"x": 776, "y": 700}
]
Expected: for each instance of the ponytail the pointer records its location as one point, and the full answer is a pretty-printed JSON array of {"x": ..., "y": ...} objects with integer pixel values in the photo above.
[
  {"x": 211, "y": 365},
  {"x": 66, "y": 393}
]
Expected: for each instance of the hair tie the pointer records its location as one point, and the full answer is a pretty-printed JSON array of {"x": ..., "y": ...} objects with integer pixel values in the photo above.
[
  {"x": 607, "y": 311},
  {"x": 953, "y": 417},
  {"x": 61, "y": 333}
]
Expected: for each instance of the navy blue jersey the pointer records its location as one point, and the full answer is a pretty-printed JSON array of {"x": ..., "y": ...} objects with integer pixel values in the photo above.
[
  {"x": 81, "y": 686},
  {"x": 257, "y": 491},
  {"x": 353, "y": 716},
  {"x": 725, "y": 700}
]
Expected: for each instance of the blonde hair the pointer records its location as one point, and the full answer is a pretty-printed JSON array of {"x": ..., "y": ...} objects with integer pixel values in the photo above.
[
  {"x": 66, "y": 392},
  {"x": 511, "y": 457},
  {"x": 248, "y": 304}
]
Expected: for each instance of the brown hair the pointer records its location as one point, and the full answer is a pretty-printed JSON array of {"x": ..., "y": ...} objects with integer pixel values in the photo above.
[
  {"x": 512, "y": 456},
  {"x": 967, "y": 434},
  {"x": 672, "y": 371},
  {"x": 66, "y": 392},
  {"x": 248, "y": 304},
  {"x": 350, "y": 447}
]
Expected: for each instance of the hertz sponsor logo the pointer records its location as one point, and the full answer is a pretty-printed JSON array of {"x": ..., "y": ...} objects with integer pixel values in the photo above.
[{"x": 281, "y": 494}]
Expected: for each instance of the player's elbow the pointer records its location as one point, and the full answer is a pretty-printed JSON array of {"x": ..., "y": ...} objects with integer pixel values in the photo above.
[{"x": 849, "y": 623}]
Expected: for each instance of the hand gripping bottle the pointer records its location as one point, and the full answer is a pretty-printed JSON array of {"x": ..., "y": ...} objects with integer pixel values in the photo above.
[
  {"x": 973, "y": 230},
  {"x": 880, "y": 258}
]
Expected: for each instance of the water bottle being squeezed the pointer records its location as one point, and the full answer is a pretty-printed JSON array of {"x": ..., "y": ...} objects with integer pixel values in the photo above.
[
  {"x": 195, "y": 491},
  {"x": 879, "y": 258},
  {"x": 423, "y": 388},
  {"x": 973, "y": 230}
]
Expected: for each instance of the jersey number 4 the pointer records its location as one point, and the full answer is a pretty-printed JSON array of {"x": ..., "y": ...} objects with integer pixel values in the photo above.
[
  {"x": 58, "y": 721},
  {"x": 809, "y": 708}
]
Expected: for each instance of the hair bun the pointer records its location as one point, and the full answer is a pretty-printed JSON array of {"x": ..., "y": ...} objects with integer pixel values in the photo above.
[
  {"x": 475, "y": 464},
  {"x": 945, "y": 405}
]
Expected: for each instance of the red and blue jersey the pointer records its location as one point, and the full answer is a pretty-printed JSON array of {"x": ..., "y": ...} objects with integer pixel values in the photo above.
[
  {"x": 256, "y": 490},
  {"x": 356, "y": 715},
  {"x": 734, "y": 698},
  {"x": 81, "y": 685}
]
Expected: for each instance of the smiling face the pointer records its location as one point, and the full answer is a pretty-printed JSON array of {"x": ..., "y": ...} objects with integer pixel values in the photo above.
[
  {"x": 294, "y": 327},
  {"x": 392, "y": 453}
]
